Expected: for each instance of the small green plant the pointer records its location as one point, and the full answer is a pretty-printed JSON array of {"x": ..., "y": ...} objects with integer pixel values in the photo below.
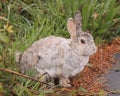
[
  {"x": 24, "y": 89},
  {"x": 5, "y": 30}
]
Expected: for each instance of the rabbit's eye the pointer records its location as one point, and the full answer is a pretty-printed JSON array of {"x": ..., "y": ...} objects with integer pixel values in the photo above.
[{"x": 83, "y": 41}]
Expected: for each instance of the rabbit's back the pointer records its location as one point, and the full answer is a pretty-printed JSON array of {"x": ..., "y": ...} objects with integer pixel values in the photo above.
[
  {"x": 45, "y": 55},
  {"x": 52, "y": 54}
]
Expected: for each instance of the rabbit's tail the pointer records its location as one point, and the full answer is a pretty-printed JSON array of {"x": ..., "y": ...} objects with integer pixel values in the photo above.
[{"x": 18, "y": 56}]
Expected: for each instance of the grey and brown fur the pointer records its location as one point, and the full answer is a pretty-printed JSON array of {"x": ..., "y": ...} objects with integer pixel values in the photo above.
[{"x": 60, "y": 57}]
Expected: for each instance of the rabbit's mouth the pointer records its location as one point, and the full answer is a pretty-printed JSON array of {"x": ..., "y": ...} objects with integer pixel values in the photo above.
[{"x": 90, "y": 51}]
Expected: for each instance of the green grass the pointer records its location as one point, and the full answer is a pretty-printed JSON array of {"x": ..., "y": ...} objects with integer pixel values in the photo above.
[{"x": 36, "y": 19}]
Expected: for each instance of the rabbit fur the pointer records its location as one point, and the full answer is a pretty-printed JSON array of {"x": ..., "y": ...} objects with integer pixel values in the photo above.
[{"x": 60, "y": 57}]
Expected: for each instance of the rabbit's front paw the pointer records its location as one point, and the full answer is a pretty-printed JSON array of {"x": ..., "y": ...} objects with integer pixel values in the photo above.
[{"x": 65, "y": 82}]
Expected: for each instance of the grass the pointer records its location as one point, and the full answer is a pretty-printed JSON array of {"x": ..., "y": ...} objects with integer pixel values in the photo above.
[{"x": 24, "y": 21}]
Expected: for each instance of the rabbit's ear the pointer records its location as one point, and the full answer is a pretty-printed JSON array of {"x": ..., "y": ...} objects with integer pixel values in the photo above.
[
  {"x": 71, "y": 27},
  {"x": 78, "y": 21}
]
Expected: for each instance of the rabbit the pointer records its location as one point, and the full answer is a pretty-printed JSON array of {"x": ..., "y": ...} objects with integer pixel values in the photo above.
[{"x": 60, "y": 57}]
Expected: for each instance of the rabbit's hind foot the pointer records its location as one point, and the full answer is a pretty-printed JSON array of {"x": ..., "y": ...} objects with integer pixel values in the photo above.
[{"x": 65, "y": 82}]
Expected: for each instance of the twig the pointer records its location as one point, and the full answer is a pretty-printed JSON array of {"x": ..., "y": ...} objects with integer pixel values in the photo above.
[{"x": 22, "y": 75}]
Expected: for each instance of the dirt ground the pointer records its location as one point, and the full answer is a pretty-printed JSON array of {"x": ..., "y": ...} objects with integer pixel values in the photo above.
[{"x": 90, "y": 82}]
